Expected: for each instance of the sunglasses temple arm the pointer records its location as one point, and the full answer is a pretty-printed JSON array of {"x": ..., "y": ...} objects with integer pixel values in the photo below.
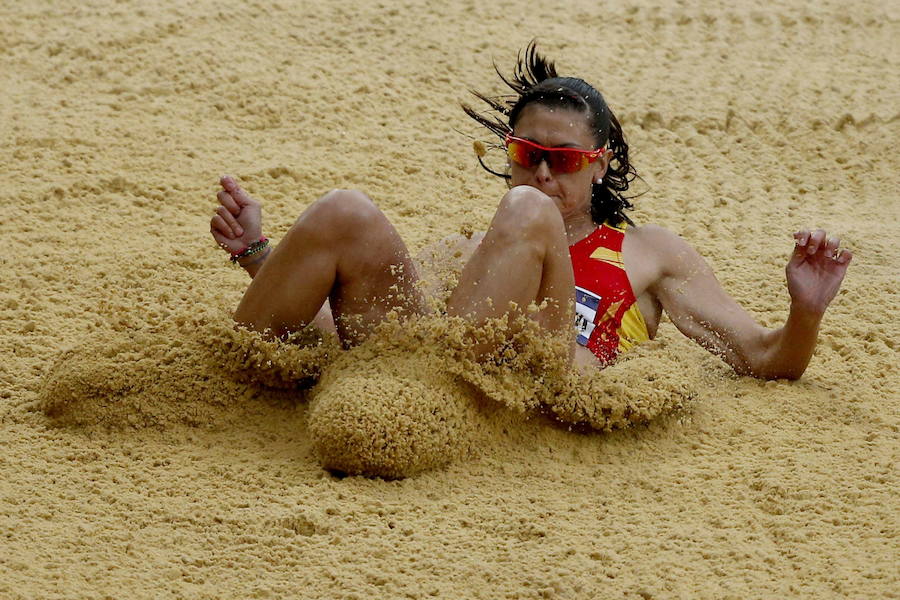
[{"x": 490, "y": 170}]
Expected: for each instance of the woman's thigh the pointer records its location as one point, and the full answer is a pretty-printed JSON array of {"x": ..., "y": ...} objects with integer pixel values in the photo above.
[{"x": 342, "y": 249}]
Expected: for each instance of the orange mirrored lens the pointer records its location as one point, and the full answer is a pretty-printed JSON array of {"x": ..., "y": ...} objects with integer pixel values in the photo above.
[
  {"x": 565, "y": 161},
  {"x": 524, "y": 154}
]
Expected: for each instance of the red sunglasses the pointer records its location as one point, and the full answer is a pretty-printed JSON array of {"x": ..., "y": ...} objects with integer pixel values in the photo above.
[{"x": 560, "y": 160}]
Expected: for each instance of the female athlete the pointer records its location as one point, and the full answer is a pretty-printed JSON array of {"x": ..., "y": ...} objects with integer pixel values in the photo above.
[{"x": 559, "y": 240}]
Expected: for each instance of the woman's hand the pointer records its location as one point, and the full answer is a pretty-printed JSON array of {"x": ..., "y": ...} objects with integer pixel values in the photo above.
[
  {"x": 237, "y": 222},
  {"x": 815, "y": 271}
]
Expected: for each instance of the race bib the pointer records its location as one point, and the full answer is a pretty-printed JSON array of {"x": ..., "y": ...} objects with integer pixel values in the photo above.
[{"x": 586, "y": 304}]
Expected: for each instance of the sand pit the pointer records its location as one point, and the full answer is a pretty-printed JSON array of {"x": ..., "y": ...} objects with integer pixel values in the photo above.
[{"x": 140, "y": 460}]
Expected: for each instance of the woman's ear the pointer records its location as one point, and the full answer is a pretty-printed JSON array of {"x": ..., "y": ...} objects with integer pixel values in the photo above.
[{"x": 602, "y": 165}]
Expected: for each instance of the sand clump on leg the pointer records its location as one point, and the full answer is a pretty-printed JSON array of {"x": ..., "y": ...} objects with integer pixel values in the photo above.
[
  {"x": 530, "y": 372},
  {"x": 650, "y": 381},
  {"x": 390, "y": 407}
]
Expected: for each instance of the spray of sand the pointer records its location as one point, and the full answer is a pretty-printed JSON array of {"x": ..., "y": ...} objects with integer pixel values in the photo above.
[
  {"x": 196, "y": 369},
  {"x": 412, "y": 397}
]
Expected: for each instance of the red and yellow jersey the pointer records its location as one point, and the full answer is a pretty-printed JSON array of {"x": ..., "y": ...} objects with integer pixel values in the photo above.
[{"x": 607, "y": 319}]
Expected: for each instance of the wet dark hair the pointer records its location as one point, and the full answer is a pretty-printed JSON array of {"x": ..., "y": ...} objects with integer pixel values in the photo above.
[{"x": 534, "y": 80}]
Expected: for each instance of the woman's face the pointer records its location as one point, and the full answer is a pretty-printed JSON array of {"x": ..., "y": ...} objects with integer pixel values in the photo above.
[{"x": 566, "y": 128}]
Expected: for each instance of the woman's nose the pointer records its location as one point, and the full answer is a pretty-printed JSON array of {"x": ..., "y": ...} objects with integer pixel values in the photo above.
[{"x": 542, "y": 172}]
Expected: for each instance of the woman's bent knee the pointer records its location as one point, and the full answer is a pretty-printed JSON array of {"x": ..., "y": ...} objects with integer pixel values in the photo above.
[
  {"x": 525, "y": 210},
  {"x": 344, "y": 205},
  {"x": 338, "y": 211}
]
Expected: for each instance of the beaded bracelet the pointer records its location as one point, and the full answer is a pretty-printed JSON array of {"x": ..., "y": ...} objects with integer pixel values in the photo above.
[{"x": 250, "y": 250}]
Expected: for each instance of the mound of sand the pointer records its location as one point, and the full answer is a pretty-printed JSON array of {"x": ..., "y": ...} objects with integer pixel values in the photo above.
[{"x": 390, "y": 414}]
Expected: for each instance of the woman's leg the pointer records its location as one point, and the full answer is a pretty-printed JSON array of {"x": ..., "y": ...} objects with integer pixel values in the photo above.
[
  {"x": 342, "y": 248},
  {"x": 523, "y": 259}
]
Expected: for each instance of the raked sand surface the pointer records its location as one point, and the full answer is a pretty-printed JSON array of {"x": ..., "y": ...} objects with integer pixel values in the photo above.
[{"x": 134, "y": 463}]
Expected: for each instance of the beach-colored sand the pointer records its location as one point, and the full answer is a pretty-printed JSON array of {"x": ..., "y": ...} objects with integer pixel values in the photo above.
[{"x": 147, "y": 450}]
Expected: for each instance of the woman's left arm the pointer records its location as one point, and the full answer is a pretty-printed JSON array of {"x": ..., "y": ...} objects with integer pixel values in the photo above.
[{"x": 698, "y": 306}]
